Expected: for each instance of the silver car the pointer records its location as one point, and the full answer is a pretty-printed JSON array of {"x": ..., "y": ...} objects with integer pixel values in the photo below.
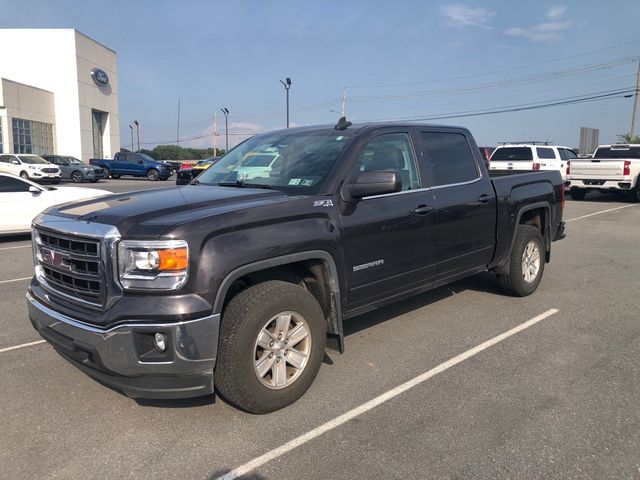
[{"x": 75, "y": 169}]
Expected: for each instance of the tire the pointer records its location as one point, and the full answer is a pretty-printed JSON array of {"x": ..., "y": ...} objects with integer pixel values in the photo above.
[
  {"x": 578, "y": 193},
  {"x": 634, "y": 195},
  {"x": 77, "y": 176},
  {"x": 153, "y": 174},
  {"x": 515, "y": 282},
  {"x": 106, "y": 173},
  {"x": 113, "y": 175},
  {"x": 24, "y": 175},
  {"x": 246, "y": 317}
]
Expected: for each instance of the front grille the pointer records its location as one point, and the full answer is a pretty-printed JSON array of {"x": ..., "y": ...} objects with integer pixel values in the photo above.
[
  {"x": 71, "y": 265},
  {"x": 49, "y": 170}
]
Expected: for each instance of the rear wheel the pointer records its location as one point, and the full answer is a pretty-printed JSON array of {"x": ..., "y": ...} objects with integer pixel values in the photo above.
[
  {"x": 634, "y": 195},
  {"x": 153, "y": 174},
  {"x": 578, "y": 193},
  {"x": 77, "y": 176},
  {"x": 527, "y": 260},
  {"x": 272, "y": 341},
  {"x": 24, "y": 175}
]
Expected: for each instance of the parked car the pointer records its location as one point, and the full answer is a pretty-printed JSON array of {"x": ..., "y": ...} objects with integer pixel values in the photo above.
[
  {"x": 532, "y": 156},
  {"x": 134, "y": 164},
  {"x": 21, "y": 200},
  {"x": 185, "y": 175},
  {"x": 613, "y": 169},
  {"x": 29, "y": 166},
  {"x": 74, "y": 169},
  {"x": 486, "y": 154},
  {"x": 258, "y": 165},
  {"x": 243, "y": 284}
]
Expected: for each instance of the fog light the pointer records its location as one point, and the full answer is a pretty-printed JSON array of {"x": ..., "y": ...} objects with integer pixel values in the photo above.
[{"x": 160, "y": 341}]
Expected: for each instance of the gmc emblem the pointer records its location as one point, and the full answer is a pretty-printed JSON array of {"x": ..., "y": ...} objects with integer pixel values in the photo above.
[{"x": 55, "y": 259}]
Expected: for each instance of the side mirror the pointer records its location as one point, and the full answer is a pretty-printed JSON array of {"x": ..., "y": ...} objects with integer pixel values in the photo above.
[
  {"x": 34, "y": 190},
  {"x": 375, "y": 182}
]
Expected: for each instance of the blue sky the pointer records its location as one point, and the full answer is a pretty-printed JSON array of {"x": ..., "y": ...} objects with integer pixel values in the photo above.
[{"x": 396, "y": 60}]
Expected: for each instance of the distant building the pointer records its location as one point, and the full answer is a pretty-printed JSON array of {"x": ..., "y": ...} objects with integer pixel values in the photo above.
[
  {"x": 58, "y": 94},
  {"x": 589, "y": 139}
]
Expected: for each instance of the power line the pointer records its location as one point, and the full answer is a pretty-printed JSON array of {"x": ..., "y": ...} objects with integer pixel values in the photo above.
[
  {"x": 521, "y": 107},
  {"x": 494, "y": 72}
]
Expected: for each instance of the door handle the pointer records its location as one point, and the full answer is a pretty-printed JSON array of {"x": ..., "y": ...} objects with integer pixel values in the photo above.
[
  {"x": 422, "y": 209},
  {"x": 484, "y": 198}
]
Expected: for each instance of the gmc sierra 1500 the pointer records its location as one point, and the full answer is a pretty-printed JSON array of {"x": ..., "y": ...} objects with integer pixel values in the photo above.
[{"x": 247, "y": 280}]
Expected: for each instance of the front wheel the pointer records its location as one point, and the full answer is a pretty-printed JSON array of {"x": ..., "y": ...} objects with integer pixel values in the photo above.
[
  {"x": 578, "y": 193},
  {"x": 77, "y": 177},
  {"x": 24, "y": 175},
  {"x": 526, "y": 263},
  {"x": 153, "y": 174},
  {"x": 272, "y": 341}
]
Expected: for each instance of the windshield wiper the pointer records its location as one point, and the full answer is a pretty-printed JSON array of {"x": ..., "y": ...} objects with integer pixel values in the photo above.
[{"x": 241, "y": 184}]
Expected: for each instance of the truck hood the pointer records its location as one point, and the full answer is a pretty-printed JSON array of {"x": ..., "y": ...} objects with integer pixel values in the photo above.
[{"x": 151, "y": 212}]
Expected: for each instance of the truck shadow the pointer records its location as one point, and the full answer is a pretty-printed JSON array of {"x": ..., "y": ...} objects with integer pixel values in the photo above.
[{"x": 483, "y": 282}]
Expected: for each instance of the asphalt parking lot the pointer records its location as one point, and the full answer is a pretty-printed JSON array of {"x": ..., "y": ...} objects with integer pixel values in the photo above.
[{"x": 557, "y": 397}]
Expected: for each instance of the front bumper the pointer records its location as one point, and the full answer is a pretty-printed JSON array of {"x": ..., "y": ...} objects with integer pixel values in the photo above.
[{"x": 112, "y": 355}]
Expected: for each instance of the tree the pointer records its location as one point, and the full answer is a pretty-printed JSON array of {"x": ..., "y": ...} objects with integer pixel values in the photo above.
[{"x": 627, "y": 138}]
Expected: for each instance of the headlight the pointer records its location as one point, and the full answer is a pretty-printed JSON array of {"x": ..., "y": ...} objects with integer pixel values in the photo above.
[{"x": 153, "y": 265}]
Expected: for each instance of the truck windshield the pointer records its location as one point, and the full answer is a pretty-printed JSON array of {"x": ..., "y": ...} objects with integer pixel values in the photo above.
[
  {"x": 512, "y": 154},
  {"x": 294, "y": 162},
  {"x": 617, "y": 152},
  {"x": 32, "y": 159}
]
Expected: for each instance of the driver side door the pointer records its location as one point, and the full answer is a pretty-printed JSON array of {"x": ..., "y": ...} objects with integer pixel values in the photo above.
[
  {"x": 390, "y": 239},
  {"x": 18, "y": 205}
]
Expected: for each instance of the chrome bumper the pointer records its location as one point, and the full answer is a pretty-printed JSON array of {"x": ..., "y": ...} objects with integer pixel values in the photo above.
[{"x": 110, "y": 355}]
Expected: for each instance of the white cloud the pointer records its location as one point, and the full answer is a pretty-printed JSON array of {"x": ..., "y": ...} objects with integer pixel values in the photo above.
[
  {"x": 544, "y": 32},
  {"x": 463, "y": 16},
  {"x": 556, "y": 11}
]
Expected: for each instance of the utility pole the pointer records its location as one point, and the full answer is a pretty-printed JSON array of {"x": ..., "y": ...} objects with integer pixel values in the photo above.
[
  {"x": 344, "y": 101},
  {"x": 215, "y": 132},
  {"x": 178, "y": 134},
  {"x": 635, "y": 103},
  {"x": 287, "y": 86},
  {"x": 226, "y": 129},
  {"x": 132, "y": 144},
  {"x": 135, "y": 122}
]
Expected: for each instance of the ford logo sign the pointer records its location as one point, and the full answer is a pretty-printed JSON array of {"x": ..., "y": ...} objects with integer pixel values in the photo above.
[{"x": 100, "y": 77}]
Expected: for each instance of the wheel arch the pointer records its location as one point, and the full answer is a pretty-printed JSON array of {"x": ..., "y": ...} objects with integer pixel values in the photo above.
[{"x": 295, "y": 268}]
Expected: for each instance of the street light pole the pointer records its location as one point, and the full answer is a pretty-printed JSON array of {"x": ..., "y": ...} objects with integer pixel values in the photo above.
[
  {"x": 135, "y": 122},
  {"x": 287, "y": 86},
  {"x": 132, "y": 144},
  {"x": 226, "y": 129},
  {"x": 635, "y": 105}
]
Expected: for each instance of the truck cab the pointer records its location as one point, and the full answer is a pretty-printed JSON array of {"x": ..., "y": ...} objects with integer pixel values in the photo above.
[{"x": 134, "y": 164}]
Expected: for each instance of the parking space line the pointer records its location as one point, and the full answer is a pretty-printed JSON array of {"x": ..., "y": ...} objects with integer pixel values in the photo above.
[
  {"x": 15, "y": 280},
  {"x": 602, "y": 211},
  {"x": 14, "y": 248},
  {"x": 16, "y": 347},
  {"x": 379, "y": 400}
]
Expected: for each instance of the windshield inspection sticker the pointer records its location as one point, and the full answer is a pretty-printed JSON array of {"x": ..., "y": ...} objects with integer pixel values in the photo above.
[
  {"x": 323, "y": 203},
  {"x": 307, "y": 183},
  {"x": 294, "y": 181}
]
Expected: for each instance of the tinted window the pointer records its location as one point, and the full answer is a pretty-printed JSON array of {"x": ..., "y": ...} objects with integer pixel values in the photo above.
[
  {"x": 451, "y": 158},
  {"x": 617, "y": 152},
  {"x": 545, "y": 152},
  {"x": 512, "y": 154},
  {"x": 5, "y": 159},
  {"x": 392, "y": 152},
  {"x": 8, "y": 184},
  {"x": 567, "y": 154}
]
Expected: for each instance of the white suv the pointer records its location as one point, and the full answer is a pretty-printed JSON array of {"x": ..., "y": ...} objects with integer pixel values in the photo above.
[
  {"x": 30, "y": 167},
  {"x": 532, "y": 156}
]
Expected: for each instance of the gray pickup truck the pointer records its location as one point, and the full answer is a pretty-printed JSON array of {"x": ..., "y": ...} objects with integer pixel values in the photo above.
[{"x": 243, "y": 282}]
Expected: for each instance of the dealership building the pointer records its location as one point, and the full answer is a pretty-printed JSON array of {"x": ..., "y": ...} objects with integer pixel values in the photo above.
[{"x": 58, "y": 94}]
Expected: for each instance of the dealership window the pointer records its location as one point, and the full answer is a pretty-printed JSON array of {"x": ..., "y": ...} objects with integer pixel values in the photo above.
[{"x": 32, "y": 137}]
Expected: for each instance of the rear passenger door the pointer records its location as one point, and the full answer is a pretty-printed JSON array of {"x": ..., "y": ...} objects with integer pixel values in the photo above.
[{"x": 464, "y": 199}]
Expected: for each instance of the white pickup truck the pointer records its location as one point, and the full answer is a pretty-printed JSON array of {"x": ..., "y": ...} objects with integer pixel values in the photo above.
[
  {"x": 613, "y": 168},
  {"x": 532, "y": 157}
]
